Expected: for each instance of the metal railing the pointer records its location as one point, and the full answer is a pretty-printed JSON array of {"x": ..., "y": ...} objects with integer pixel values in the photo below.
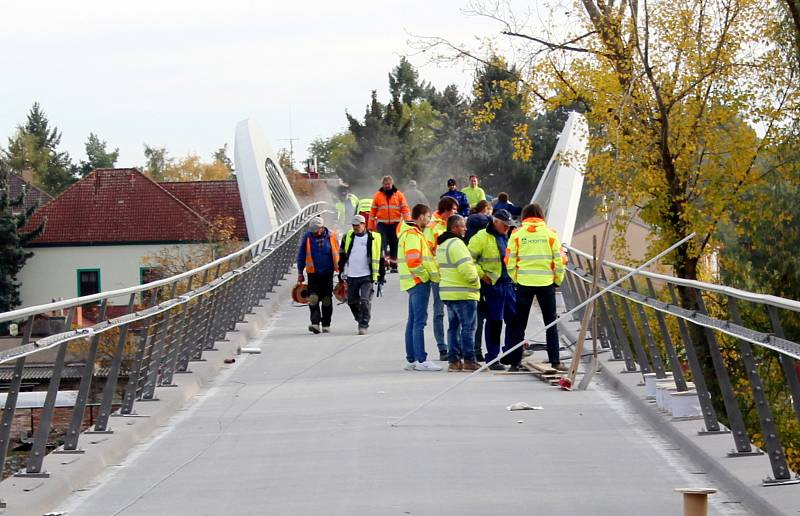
[
  {"x": 658, "y": 323},
  {"x": 179, "y": 318}
]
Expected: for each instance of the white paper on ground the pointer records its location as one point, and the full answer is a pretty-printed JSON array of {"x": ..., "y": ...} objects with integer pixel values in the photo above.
[{"x": 521, "y": 405}]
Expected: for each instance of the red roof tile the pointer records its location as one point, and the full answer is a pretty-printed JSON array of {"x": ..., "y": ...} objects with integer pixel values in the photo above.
[
  {"x": 213, "y": 200},
  {"x": 115, "y": 206}
]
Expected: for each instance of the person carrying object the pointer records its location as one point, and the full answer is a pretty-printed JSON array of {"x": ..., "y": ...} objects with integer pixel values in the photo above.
[
  {"x": 361, "y": 262},
  {"x": 318, "y": 255}
]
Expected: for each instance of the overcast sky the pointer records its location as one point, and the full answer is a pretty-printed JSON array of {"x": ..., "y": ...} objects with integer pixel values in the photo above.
[{"x": 181, "y": 74}]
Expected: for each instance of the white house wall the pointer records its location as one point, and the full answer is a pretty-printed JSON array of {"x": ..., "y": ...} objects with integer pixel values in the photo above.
[{"x": 52, "y": 272}]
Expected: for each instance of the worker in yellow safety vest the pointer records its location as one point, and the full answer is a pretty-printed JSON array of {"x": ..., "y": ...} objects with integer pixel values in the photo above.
[
  {"x": 364, "y": 207},
  {"x": 460, "y": 290},
  {"x": 417, "y": 271},
  {"x": 346, "y": 206},
  {"x": 438, "y": 225},
  {"x": 536, "y": 265},
  {"x": 489, "y": 249},
  {"x": 361, "y": 260}
]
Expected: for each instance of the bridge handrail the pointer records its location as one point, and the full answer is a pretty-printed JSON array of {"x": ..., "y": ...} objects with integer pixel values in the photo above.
[
  {"x": 22, "y": 313},
  {"x": 164, "y": 336},
  {"x": 779, "y": 302},
  {"x": 632, "y": 324}
]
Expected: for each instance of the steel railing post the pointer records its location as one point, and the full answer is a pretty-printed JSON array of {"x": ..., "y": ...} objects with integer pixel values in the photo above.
[
  {"x": 76, "y": 422},
  {"x": 703, "y": 395},
  {"x": 655, "y": 353},
  {"x": 616, "y": 320},
  {"x": 772, "y": 441},
  {"x": 11, "y": 397},
  {"x": 39, "y": 449},
  {"x": 641, "y": 355},
  {"x": 675, "y": 365},
  {"x": 787, "y": 364},
  {"x": 740, "y": 436},
  {"x": 101, "y": 425}
]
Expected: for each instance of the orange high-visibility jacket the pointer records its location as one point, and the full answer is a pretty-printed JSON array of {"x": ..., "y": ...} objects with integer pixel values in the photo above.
[{"x": 389, "y": 210}]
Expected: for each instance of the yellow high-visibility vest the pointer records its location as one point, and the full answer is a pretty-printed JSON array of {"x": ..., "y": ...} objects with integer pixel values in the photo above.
[
  {"x": 415, "y": 261},
  {"x": 535, "y": 258},
  {"x": 459, "y": 276},
  {"x": 375, "y": 251},
  {"x": 483, "y": 248}
]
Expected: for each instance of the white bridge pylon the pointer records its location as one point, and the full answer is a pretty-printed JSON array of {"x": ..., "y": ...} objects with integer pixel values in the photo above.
[
  {"x": 559, "y": 189},
  {"x": 267, "y": 197}
]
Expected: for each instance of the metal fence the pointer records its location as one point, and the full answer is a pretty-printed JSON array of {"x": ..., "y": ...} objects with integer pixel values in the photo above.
[
  {"x": 650, "y": 326},
  {"x": 177, "y": 320}
]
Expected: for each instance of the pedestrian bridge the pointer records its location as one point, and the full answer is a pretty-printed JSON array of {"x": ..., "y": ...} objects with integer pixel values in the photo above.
[{"x": 214, "y": 399}]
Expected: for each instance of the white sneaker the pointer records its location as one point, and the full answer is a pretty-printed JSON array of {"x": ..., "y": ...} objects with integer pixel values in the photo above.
[
  {"x": 411, "y": 366},
  {"x": 427, "y": 366}
]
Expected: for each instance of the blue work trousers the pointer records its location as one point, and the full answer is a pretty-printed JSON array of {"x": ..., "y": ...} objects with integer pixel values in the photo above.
[{"x": 500, "y": 305}]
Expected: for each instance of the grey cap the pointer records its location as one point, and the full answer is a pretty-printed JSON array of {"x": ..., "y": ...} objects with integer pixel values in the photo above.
[
  {"x": 505, "y": 217},
  {"x": 412, "y": 183},
  {"x": 316, "y": 223},
  {"x": 358, "y": 219}
]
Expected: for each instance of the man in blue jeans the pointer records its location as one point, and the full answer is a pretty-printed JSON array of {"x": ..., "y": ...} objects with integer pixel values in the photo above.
[
  {"x": 460, "y": 290},
  {"x": 438, "y": 225},
  {"x": 417, "y": 271}
]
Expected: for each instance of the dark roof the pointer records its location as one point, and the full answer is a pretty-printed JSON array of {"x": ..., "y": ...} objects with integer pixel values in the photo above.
[
  {"x": 33, "y": 195},
  {"x": 214, "y": 200},
  {"x": 117, "y": 206}
]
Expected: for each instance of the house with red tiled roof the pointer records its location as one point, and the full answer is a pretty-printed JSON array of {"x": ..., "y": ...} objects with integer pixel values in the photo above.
[{"x": 99, "y": 232}]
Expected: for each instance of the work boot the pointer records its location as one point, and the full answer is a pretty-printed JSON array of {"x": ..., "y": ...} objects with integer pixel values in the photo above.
[
  {"x": 471, "y": 366},
  {"x": 456, "y": 366},
  {"x": 514, "y": 368},
  {"x": 497, "y": 366},
  {"x": 443, "y": 356},
  {"x": 326, "y": 329},
  {"x": 314, "y": 328},
  {"x": 362, "y": 330}
]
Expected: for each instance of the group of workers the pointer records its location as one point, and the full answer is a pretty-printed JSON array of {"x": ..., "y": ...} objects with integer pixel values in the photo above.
[{"x": 473, "y": 258}]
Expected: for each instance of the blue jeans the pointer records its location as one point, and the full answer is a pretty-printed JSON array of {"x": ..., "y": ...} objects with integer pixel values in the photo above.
[
  {"x": 417, "y": 319},
  {"x": 461, "y": 322},
  {"x": 438, "y": 319}
]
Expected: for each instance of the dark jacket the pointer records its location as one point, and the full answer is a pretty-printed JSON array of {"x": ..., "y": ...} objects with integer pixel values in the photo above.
[
  {"x": 344, "y": 255},
  {"x": 475, "y": 223},
  {"x": 444, "y": 237},
  {"x": 463, "y": 203},
  {"x": 515, "y": 211},
  {"x": 320, "y": 252}
]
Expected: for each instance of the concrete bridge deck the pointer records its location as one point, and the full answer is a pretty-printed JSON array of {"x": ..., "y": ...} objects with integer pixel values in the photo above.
[{"x": 303, "y": 428}]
